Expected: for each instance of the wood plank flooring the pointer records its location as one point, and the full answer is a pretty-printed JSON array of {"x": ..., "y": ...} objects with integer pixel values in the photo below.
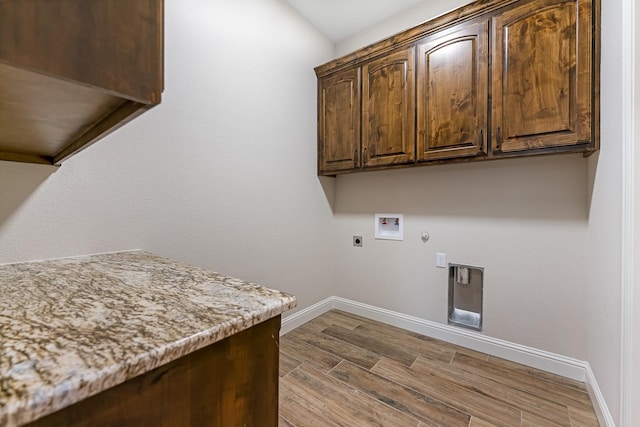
[{"x": 345, "y": 370}]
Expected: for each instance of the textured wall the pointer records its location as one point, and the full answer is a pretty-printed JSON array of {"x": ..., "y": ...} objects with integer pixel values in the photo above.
[
  {"x": 572, "y": 258},
  {"x": 524, "y": 220},
  {"x": 221, "y": 174},
  {"x": 605, "y": 216}
]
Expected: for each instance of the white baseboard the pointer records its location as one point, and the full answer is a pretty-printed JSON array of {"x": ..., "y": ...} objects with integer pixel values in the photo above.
[
  {"x": 557, "y": 364},
  {"x": 550, "y": 362},
  {"x": 602, "y": 410},
  {"x": 301, "y": 317}
]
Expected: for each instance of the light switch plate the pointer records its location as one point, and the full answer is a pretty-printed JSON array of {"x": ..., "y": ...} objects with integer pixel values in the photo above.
[{"x": 441, "y": 260}]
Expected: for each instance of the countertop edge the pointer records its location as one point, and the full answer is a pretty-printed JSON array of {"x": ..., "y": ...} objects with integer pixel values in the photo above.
[{"x": 70, "y": 392}]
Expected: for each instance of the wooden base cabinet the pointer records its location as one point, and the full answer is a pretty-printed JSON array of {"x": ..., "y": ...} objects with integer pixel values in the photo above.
[
  {"x": 492, "y": 79},
  {"x": 231, "y": 383}
]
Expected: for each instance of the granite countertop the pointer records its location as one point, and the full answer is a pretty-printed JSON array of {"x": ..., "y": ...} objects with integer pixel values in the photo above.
[{"x": 73, "y": 327}]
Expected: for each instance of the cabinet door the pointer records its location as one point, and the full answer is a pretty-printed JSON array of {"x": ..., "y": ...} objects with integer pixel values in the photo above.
[
  {"x": 388, "y": 115},
  {"x": 452, "y": 92},
  {"x": 339, "y": 122},
  {"x": 542, "y": 78}
]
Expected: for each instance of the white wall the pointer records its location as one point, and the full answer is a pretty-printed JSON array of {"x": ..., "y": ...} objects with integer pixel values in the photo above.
[
  {"x": 408, "y": 18},
  {"x": 630, "y": 303},
  {"x": 524, "y": 221},
  {"x": 604, "y": 266},
  {"x": 221, "y": 174},
  {"x": 634, "y": 381}
]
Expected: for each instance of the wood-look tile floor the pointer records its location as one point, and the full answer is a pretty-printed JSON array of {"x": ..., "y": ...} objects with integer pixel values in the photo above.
[{"x": 343, "y": 370}]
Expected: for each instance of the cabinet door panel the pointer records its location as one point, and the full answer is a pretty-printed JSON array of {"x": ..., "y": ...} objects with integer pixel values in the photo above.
[
  {"x": 388, "y": 129},
  {"x": 339, "y": 122},
  {"x": 542, "y": 75},
  {"x": 452, "y": 93}
]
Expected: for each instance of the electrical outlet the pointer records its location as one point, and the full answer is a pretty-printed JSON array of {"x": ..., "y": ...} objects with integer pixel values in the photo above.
[
  {"x": 441, "y": 260},
  {"x": 357, "y": 241}
]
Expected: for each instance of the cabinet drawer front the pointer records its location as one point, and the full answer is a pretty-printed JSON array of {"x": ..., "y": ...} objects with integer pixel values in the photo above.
[
  {"x": 452, "y": 93},
  {"x": 388, "y": 114},
  {"x": 542, "y": 75}
]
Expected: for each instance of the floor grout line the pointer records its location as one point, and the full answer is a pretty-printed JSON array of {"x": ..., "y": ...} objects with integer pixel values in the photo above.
[{"x": 500, "y": 374}]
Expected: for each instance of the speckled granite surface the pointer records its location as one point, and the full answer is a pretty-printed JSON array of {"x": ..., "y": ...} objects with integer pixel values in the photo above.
[{"x": 73, "y": 327}]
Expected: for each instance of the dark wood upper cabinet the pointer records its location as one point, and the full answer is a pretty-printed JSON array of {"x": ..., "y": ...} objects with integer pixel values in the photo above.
[
  {"x": 452, "y": 92},
  {"x": 72, "y": 71},
  {"x": 366, "y": 115},
  {"x": 339, "y": 121},
  {"x": 542, "y": 76},
  {"x": 388, "y": 100},
  {"x": 492, "y": 79}
]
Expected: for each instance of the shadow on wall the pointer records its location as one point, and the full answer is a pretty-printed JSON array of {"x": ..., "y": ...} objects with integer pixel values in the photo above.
[
  {"x": 552, "y": 187},
  {"x": 329, "y": 187},
  {"x": 17, "y": 182},
  {"x": 592, "y": 168}
]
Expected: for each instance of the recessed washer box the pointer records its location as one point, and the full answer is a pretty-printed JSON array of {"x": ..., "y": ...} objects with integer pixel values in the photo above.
[
  {"x": 389, "y": 226},
  {"x": 465, "y": 296}
]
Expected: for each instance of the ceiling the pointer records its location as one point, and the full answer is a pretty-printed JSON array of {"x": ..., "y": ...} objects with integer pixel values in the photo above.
[{"x": 338, "y": 19}]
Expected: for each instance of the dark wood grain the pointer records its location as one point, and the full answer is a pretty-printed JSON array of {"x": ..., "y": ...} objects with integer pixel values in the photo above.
[
  {"x": 298, "y": 349},
  {"x": 431, "y": 349},
  {"x": 430, "y": 411},
  {"x": 339, "y": 107},
  {"x": 542, "y": 75},
  {"x": 530, "y": 383},
  {"x": 466, "y": 400},
  {"x": 452, "y": 92},
  {"x": 388, "y": 99},
  {"x": 287, "y": 363},
  {"x": 353, "y": 353},
  {"x": 384, "y": 348},
  {"x": 536, "y": 404},
  {"x": 345, "y": 405},
  {"x": 106, "y": 44},
  {"x": 39, "y": 114},
  {"x": 495, "y": 79},
  {"x": 466, "y": 388},
  {"x": 72, "y": 71},
  {"x": 231, "y": 383}
]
